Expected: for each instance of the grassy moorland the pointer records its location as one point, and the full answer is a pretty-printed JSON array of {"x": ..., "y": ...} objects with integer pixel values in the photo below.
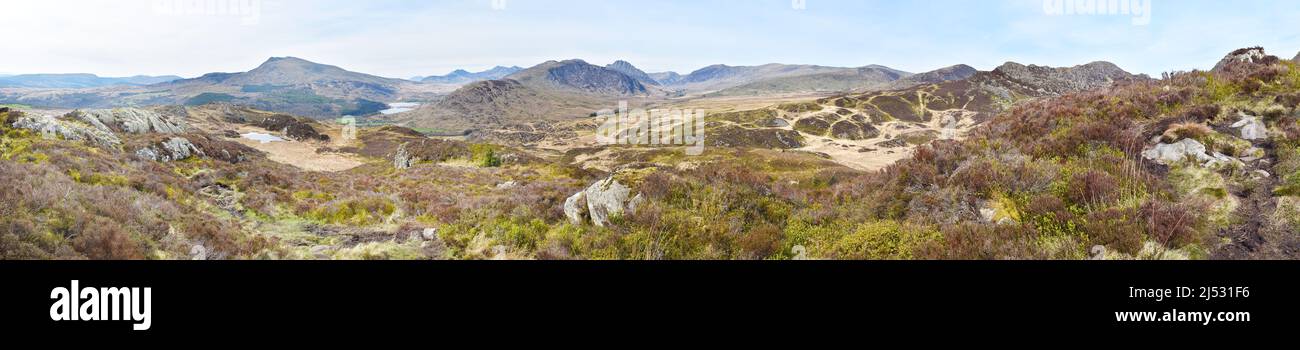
[{"x": 1050, "y": 178}]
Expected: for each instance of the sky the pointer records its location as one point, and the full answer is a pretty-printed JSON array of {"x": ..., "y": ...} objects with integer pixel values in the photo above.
[{"x": 405, "y": 38}]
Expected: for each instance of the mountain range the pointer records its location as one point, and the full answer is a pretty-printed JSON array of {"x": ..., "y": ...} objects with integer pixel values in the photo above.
[
  {"x": 77, "y": 81},
  {"x": 553, "y": 90},
  {"x": 281, "y": 84},
  {"x": 461, "y": 76}
]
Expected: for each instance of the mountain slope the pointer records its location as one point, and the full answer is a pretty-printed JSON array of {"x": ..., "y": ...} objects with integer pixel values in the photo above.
[
  {"x": 666, "y": 78},
  {"x": 281, "y": 84},
  {"x": 957, "y": 72},
  {"x": 839, "y": 80},
  {"x": 551, "y": 91},
  {"x": 632, "y": 71},
  {"x": 77, "y": 81},
  {"x": 721, "y": 77},
  {"x": 497, "y": 103},
  {"x": 578, "y": 76}
]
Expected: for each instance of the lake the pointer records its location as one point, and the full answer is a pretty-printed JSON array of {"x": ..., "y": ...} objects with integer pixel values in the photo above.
[
  {"x": 263, "y": 138},
  {"x": 399, "y": 107}
]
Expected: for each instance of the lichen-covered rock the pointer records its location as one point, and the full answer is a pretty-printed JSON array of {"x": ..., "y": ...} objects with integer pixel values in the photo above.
[
  {"x": 508, "y": 185},
  {"x": 130, "y": 120},
  {"x": 635, "y": 203},
  {"x": 605, "y": 199},
  {"x": 51, "y": 127},
  {"x": 1172, "y": 153},
  {"x": 575, "y": 208},
  {"x": 172, "y": 149},
  {"x": 1252, "y": 127},
  {"x": 403, "y": 159}
]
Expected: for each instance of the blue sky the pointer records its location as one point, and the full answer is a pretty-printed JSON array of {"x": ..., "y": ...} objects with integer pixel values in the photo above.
[{"x": 403, "y": 38}]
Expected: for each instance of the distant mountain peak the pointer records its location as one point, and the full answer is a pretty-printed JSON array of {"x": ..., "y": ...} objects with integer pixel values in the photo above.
[
  {"x": 576, "y": 75},
  {"x": 461, "y": 76},
  {"x": 630, "y": 70}
]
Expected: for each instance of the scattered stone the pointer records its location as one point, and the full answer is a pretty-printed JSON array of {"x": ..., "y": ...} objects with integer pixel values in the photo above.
[
  {"x": 1263, "y": 174},
  {"x": 429, "y": 234},
  {"x": 507, "y": 185},
  {"x": 635, "y": 203},
  {"x": 1252, "y": 127},
  {"x": 987, "y": 214}
]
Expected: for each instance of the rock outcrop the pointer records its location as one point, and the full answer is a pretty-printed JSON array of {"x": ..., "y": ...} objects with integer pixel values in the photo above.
[
  {"x": 575, "y": 208},
  {"x": 601, "y": 201},
  {"x": 173, "y": 149},
  {"x": 1173, "y": 153},
  {"x": 1057, "y": 81},
  {"x": 403, "y": 159},
  {"x": 130, "y": 120},
  {"x": 52, "y": 127},
  {"x": 1246, "y": 55},
  {"x": 1252, "y": 127}
]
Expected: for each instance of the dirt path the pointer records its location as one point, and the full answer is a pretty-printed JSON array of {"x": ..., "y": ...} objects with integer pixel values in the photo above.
[{"x": 1257, "y": 235}]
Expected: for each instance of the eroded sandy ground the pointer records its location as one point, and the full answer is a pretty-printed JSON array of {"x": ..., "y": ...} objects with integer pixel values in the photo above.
[{"x": 301, "y": 154}]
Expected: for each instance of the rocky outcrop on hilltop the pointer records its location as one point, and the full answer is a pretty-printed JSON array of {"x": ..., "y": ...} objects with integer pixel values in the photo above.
[
  {"x": 630, "y": 70},
  {"x": 130, "y": 120},
  {"x": 1058, "y": 81},
  {"x": 53, "y": 127},
  {"x": 1255, "y": 55}
]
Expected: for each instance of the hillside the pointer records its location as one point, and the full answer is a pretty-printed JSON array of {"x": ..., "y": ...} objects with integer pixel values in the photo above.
[
  {"x": 497, "y": 103},
  {"x": 630, "y": 70},
  {"x": 1022, "y": 162},
  {"x": 841, "y": 80},
  {"x": 578, "y": 76},
  {"x": 720, "y": 77},
  {"x": 957, "y": 72},
  {"x": 551, "y": 91}
]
